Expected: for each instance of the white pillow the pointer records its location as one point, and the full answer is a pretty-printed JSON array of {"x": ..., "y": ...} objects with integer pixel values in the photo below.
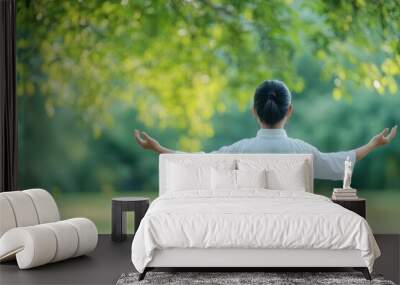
[
  {"x": 228, "y": 179},
  {"x": 293, "y": 181},
  {"x": 281, "y": 174},
  {"x": 188, "y": 177},
  {"x": 223, "y": 179},
  {"x": 251, "y": 178}
]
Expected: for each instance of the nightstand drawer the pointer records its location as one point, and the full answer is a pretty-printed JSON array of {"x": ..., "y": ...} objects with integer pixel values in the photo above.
[{"x": 358, "y": 206}]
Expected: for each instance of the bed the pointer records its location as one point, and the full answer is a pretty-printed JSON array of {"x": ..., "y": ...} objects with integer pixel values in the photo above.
[{"x": 247, "y": 210}]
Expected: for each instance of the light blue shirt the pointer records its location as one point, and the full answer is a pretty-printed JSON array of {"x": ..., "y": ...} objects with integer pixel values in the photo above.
[{"x": 326, "y": 165}]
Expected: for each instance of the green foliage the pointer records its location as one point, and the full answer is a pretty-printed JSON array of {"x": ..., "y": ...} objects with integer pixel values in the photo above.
[
  {"x": 179, "y": 63},
  {"x": 60, "y": 155},
  {"x": 89, "y": 72}
]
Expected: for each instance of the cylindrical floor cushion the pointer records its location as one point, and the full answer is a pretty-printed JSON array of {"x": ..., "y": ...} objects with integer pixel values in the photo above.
[{"x": 31, "y": 232}]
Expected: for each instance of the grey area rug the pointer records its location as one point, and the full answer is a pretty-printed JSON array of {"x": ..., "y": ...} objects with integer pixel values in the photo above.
[{"x": 228, "y": 278}]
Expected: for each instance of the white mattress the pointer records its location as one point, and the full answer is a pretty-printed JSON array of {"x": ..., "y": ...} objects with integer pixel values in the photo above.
[{"x": 252, "y": 219}]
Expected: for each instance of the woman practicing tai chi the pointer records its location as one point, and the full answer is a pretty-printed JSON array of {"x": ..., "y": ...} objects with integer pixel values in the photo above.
[{"x": 273, "y": 108}]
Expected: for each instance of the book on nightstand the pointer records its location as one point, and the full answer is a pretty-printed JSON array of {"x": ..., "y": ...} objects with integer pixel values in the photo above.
[{"x": 344, "y": 194}]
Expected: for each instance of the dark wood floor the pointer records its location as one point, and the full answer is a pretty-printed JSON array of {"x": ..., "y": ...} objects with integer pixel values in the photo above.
[{"x": 110, "y": 260}]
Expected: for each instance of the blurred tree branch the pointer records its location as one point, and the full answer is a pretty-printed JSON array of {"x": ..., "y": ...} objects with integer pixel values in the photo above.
[{"x": 178, "y": 63}]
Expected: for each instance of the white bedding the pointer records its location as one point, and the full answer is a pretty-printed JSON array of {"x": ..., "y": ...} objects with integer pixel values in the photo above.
[{"x": 250, "y": 218}]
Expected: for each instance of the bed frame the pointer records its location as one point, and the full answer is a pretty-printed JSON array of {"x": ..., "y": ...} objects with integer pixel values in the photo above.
[
  {"x": 243, "y": 259},
  {"x": 240, "y": 259}
]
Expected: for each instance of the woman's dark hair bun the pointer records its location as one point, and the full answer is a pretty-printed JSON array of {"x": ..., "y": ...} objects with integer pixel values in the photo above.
[{"x": 271, "y": 101}]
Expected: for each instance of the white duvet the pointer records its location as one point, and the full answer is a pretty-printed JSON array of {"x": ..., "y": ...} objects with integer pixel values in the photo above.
[{"x": 250, "y": 219}]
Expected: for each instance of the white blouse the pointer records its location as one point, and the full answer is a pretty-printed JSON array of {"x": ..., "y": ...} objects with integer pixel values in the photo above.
[{"x": 326, "y": 165}]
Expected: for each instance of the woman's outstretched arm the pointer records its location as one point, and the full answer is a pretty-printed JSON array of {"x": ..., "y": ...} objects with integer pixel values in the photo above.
[
  {"x": 330, "y": 165},
  {"x": 147, "y": 142},
  {"x": 380, "y": 139}
]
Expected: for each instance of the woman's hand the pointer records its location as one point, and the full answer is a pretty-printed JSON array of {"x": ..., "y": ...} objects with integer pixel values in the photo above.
[
  {"x": 380, "y": 139},
  {"x": 147, "y": 142},
  {"x": 383, "y": 137}
]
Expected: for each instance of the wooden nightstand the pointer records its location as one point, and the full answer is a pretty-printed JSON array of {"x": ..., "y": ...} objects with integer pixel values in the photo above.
[{"x": 358, "y": 205}]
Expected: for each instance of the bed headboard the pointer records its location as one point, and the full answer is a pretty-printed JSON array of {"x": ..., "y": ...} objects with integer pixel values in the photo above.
[{"x": 277, "y": 160}]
